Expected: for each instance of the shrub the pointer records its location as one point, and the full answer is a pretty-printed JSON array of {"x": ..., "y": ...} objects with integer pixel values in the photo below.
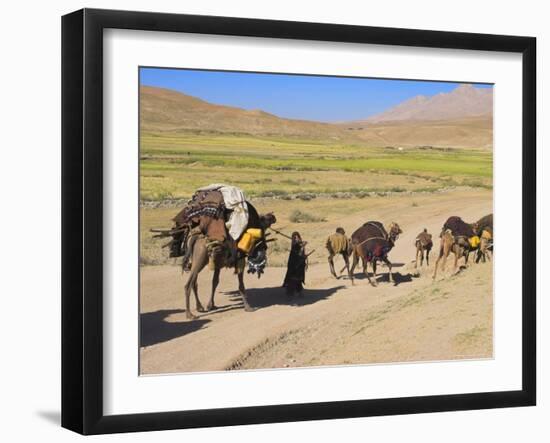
[
  {"x": 298, "y": 216},
  {"x": 305, "y": 196}
]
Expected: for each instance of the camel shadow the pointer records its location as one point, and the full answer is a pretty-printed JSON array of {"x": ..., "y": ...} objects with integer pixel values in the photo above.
[
  {"x": 259, "y": 298},
  {"x": 398, "y": 278},
  {"x": 234, "y": 296},
  {"x": 154, "y": 328},
  {"x": 394, "y": 265},
  {"x": 385, "y": 277}
]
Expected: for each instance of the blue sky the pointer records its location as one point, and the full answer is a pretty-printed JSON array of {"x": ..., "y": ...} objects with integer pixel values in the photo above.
[{"x": 294, "y": 96}]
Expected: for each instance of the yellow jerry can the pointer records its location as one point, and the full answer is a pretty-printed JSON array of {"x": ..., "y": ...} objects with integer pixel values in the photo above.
[
  {"x": 474, "y": 241},
  {"x": 246, "y": 243}
]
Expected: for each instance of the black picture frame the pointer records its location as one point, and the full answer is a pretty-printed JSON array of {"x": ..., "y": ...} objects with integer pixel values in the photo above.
[{"x": 82, "y": 216}]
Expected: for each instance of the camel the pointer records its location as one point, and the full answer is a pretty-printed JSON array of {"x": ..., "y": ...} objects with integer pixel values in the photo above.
[
  {"x": 338, "y": 243},
  {"x": 484, "y": 229},
  {"x": 455, "y": 237},
  {"x": 371, "y": 243},
  {"x": 485, "y": 246},
  {"x": 424, "y": 244},
  {"x": 200, "y": 257},
  {"x": 459, "y": 246}
]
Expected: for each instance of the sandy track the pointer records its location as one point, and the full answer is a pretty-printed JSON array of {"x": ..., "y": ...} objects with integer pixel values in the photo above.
[{"x": 334, "y": 322}]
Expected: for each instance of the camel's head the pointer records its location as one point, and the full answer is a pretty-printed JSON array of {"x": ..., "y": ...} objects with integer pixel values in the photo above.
[
  {"x": 394, "y": 231},
  {"x": 266, "y": 220}
]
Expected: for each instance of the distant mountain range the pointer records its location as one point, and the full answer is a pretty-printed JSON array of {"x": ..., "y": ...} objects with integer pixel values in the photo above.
[
  {"x": 463, "y": 102},
  {"x": 460, "y": 118}
]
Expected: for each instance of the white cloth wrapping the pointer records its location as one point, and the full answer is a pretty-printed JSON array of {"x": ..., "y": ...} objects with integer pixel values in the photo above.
[{"x": 234, "y": 200}]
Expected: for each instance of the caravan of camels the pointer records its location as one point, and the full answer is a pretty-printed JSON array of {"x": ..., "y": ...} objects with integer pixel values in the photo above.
[{"x": 219, "y": 228}]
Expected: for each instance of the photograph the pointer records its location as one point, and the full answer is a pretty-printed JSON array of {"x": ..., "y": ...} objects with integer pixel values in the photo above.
[{"x": 291, "y": 220}]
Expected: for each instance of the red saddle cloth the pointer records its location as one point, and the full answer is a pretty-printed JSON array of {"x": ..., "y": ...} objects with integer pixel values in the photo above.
[{"x": 206, "y": 209}]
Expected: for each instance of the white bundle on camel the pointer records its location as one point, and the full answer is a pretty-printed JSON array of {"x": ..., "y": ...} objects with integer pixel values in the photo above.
[{"x": 235, "y": 201}]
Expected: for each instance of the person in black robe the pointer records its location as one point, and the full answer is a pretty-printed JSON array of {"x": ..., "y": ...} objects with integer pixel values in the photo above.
[{"x": 296, "y": 266}]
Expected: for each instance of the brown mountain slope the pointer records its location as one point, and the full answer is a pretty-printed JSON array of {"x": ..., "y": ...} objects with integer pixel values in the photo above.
[
  {"x": 166, "y": 110},
  {"x": 463, "y": 102}
]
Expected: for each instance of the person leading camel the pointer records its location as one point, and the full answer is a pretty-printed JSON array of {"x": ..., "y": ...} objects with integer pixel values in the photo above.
[{"x": 296, "y": 266}]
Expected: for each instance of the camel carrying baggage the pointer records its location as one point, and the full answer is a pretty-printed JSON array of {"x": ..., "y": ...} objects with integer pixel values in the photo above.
[{"x": 218, "y": 228}]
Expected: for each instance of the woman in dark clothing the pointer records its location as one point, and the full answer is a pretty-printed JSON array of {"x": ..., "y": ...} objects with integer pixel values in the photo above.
[{"x": 296, "y": 267}]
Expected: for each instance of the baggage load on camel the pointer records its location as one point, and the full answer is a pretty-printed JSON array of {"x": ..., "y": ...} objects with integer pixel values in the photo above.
[
  {"x": 214, "y": 201},
  {"x": 248, "y": 239},
  {"x": 474, "y": 241},
  {"x": 235, "y": 201}
]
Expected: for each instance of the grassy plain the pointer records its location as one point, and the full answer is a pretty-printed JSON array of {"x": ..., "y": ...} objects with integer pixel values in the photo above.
[
  {"x": 326, "y": 182},
  {"x": 174, "y": 164}
]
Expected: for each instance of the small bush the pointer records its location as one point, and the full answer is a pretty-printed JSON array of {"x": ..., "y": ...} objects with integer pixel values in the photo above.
[
  {"x": 298, "y": 216},
  {"x": 274, "y": 193},
  {"x": 305, "y": 196}
]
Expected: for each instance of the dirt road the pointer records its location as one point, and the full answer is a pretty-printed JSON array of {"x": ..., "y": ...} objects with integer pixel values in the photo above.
[{"x": 334, "y": 322}]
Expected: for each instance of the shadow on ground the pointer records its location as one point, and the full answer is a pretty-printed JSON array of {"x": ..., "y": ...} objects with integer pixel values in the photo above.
[
  {"x": 155, "y": 329},
  {"x": 385, "y": 277},
  {"x": 264, "y": 297}
]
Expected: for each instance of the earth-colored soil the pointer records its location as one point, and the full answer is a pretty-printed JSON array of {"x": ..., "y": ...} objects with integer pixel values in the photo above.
[{"x": 333, "y": 323}]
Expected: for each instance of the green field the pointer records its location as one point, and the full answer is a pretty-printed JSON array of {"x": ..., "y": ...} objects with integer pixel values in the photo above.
[{"x": 174, "y": 165}]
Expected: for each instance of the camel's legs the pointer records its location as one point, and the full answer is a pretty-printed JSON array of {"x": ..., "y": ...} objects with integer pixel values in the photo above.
[
  {"x": 482, "y": 252},
  {"x": 418, "y": 250},
  {"x": 190, "y": 283},
  {"x": 428, "y": 258},
  {"x": 331, "y": 265},
  {"x": 354, "y": 264},
  {"x": 457, "y": 251},
  {"x": 215, "y": 281},
  {"x": 346, "y": 260},
  {"x": 374, "y": 276},
  {"x": 198, "y": 304},
  {"x": 442, "y": 254},
  {"x": 446, "y": 252},
  {"x": 199, "y": 261},
  {"x": 242, "y": 291},
  {"x": 365, "y": 270}
]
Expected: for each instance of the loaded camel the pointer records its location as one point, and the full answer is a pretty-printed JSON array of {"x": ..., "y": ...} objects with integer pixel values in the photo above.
[
  {"x": 371, "y": 242},
  {"x": 223, "y": 255},
  {"x": 457, "y": 237},
  {"x": 484, "y": 229},
  {"x": 424, "y": 244},
  {"x": 338, "y": 243},
  {"x": 201, "y": 235}
]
